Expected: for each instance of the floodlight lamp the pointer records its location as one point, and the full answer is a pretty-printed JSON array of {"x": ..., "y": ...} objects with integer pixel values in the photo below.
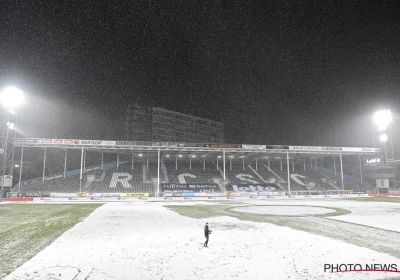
[
  {"x": 16, "y": 165},
  {"x": 382, "y": 119},
  {"x": 383, "y": 137},
  {"x": 140, "y": 155},
  {"x": 11, "y": 126},
  {"x": 219, "y": 156},
  {"x": 180, "y": 156},
  {"x": 11, "y": 97},
  {"x": 167, "y": 155},
  {"x": 193, "y": 156}
]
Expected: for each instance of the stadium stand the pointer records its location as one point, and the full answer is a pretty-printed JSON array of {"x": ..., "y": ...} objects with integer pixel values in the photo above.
[
  {"x": 195, "y": 175},
  {"x": 299, "y": 180},
  {"x": 237, "y": 175},
  {"x": 143, "y": 178},
  {"x": 349, "y": 182},
  {"x": 122, "y": 180},
  {"x": 62, "y": 185}
]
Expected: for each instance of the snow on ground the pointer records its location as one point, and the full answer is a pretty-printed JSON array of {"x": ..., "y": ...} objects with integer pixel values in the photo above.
[
  {"x": 382, "y": 215},
  {"x": 284, "y": 210},
  {"x": 139, "y": 240}
]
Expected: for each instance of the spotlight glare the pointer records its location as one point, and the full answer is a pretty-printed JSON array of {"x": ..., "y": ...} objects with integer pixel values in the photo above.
[
  {"x": 382, "y": 119},
  {"x": 11, "y": 98}
]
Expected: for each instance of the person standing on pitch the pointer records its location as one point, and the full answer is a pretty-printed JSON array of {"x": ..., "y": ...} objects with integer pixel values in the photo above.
[{"x": 206, "y": 234}]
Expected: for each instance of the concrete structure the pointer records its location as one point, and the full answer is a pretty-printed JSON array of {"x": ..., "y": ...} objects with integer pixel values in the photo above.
[{"x": 145, "y": 123}]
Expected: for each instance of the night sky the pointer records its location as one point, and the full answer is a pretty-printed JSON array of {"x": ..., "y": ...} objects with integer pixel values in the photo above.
[{"x": 275, "y": 72}]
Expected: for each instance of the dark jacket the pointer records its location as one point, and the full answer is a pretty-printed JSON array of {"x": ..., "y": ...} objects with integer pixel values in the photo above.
[{"x": 206, "y": 231}]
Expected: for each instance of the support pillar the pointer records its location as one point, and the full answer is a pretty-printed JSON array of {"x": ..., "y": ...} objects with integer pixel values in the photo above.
[
  {"x": 341, "y": 170},
  {"x": 65, "y": 162},
  {"x": 288, "y": 171},
  {"x": 81, "y": 174},
  {"x": 20, "y": 167},
  {"x": 158, "y": 172},
  {"x": 361, "y": 175},
  {"x": 44, "y": 163},
  {"x": 84, "y": 162},
  {"x": 223, "y": 154},
  {"x": 334, "y": 164}
]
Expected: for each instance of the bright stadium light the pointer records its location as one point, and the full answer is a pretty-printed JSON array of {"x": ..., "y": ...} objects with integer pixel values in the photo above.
[
  {"x": 11, "y": 98},
  {"x": 382, "y": 119},
  {"x": 383, "y": 137}
]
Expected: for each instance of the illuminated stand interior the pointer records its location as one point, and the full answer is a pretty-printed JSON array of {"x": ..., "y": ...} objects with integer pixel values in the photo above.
[
  {"x": 10, "y": 98},
  {"x": 157, "y": 152}
]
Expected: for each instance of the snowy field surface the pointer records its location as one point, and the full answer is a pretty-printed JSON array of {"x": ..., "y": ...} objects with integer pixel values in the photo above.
[
  {"x": 145, "y": 240},
  {"x": 374, "y": 214},
  {"x": 284, "y": 210}
]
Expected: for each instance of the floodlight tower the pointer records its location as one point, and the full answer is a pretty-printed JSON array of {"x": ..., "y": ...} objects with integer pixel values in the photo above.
[
  {"x": 382, "y": 120},
  {"x": 10, "y": 99}
]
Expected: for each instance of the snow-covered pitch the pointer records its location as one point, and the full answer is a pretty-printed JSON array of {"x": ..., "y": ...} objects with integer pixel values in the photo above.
[{"x": 145, "y": 240}]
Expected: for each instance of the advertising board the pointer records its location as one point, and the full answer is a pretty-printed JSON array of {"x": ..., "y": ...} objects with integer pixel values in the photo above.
[
  {"x": 255, "y": 188},
  {"x": 208, "y": 188}
]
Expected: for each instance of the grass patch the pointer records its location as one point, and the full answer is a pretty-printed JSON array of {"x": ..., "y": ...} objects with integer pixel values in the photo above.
[
  {"x": 377, "y": 199},
  {"x": 360, "y": 235},
  {"x": 338, "y": 211},
  {"x": 200, "y": 211},
  {"x": 203, "y": 211},
  {"x": 26, "y": 229}
]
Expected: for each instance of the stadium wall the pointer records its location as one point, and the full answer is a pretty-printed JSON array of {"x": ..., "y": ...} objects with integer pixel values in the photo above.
[
  {"x": 133, "y": 199},
  {"x": 331, "y": 172}
]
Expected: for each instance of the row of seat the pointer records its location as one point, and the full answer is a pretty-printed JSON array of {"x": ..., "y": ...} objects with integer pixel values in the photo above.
[{"x": 143, "y": 178}]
